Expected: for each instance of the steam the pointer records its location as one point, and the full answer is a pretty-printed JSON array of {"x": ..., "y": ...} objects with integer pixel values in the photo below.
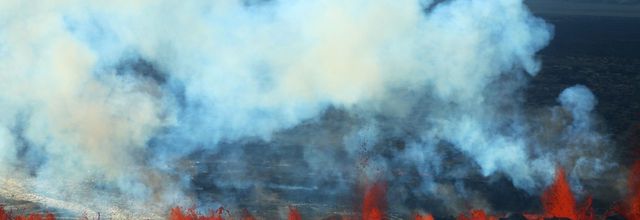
[
  {"x": 580, "y": 102},
  {"x": 116, "y": 98}
]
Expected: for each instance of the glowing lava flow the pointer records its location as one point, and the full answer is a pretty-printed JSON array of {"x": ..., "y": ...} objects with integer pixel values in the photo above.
[
  {"x": 423, "y": 217},
  {"x": 191, "y": 214},
  {"x": 4, "y": 215},
  {"x": 631, "y": 208},
  {"x": 374, "y": 203},
  {"x": 585, "y": 212},
  {"x": 294, "y": 214},
  {"x": 558, "y": 200}
]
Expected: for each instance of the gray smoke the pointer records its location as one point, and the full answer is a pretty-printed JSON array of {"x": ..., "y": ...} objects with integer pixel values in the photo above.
[{"x": 126, "y": 106}]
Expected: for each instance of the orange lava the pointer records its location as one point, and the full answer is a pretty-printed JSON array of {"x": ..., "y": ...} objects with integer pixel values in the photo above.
[
  {"x": 558, "y": 200},
  {"x": 423, "y": 217},
  {"x": 462, "y": 216},
  {"x": 294, "y": 214},
  {"x": 631, "y": 207},
  {"x": 191, "y": 214},
  {"x": 585, "y": 211},
  {"x": 246, "y": 215},
  {"x": 4, "y": 215},
  {"x": 478, "y": 215},
  {"x": 375, "y": 202}
]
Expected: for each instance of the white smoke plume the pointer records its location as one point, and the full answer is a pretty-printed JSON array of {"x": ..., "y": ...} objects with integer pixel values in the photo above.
[{"x": 112, "y": 97}]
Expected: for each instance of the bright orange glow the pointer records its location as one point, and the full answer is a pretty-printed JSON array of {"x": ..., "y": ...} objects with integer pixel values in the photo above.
[
  {"x": 374, "y": 202},
  {"x": 246, "y": 215},
  {"x": 423, "y": 217},
  {"x": 191, "y": 214},
  {"x": 294, "y": 214},
  {"x": 631, "y": 207},
  {"x": 585, "y": 212},
  {"x": 4, "y": 215},
  {"x": 478, "y": 215},
  {"x": 558, "y": 200}
]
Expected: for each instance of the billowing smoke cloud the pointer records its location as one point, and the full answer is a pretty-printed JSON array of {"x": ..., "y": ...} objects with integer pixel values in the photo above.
[{"x": 118, "y": 100}]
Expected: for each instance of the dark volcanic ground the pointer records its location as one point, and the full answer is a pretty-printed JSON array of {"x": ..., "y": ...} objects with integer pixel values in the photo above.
[{"x": 602, "y": 53}]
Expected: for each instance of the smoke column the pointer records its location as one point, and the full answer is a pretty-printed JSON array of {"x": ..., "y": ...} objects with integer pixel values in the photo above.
[{"x": 110, "y": 103}]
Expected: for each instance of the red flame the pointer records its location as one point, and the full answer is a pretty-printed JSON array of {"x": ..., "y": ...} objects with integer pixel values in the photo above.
[
  {"x": 423, "y": 217},
  {"x": 461, "y": 216},
  {"x": 631, "y": 207},
  {"x": 4, "y": 215},
  {"x": 294, "y": 214},
  {"x": 558, "y": 200},
  {"x": 246, "y": 215},
  {"x": 374, "y": 202},
  {"x": 192, "y": 214},
  {"x": 478, "y": 215},
  {"x": 585, "y": 212},
  {"x": 177, "y": 214}
]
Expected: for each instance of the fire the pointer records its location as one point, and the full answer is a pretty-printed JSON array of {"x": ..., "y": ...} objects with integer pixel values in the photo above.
[
  {"x": 585, "y": 212},
  {"x": 4, "y": 215},
  {"x": 294, "y": 214},
  {"x": 246, "y": 215},
  {"x": 558, "y": 200},
  {"x": 631, "y": 208},
  {"x": 374, "y": 203},
  {"x": 423, "y": 217},
  {"x": 478, "y": 215},
  {"x": 192, "y": 214}
]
